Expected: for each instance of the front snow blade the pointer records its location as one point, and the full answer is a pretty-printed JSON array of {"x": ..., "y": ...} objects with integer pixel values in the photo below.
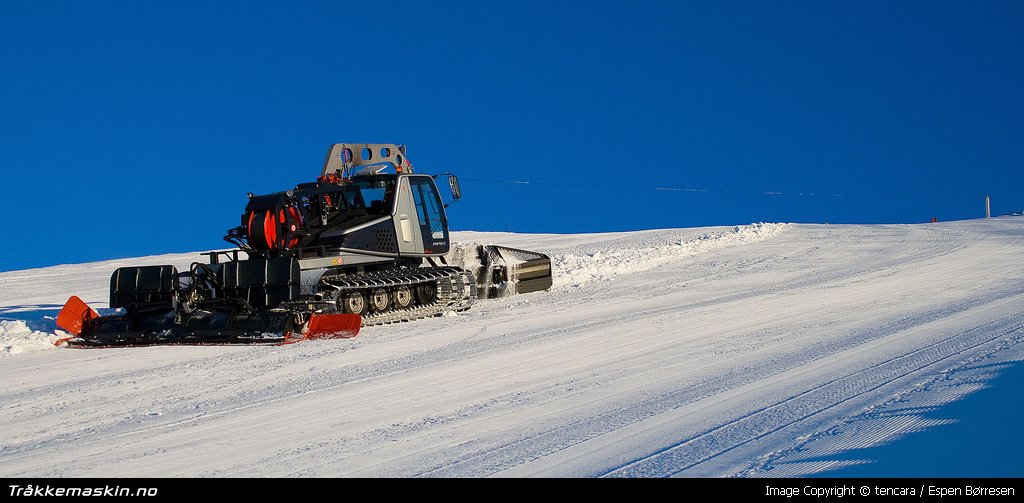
[
  {"x": 332, "y": 326},
  {"x": 508, "y": 271},
  {"x": 75, "y": 314}
]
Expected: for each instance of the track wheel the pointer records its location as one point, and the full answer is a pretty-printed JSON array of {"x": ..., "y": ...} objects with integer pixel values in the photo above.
[
  {"x": 354, "y": 302},
  {"x": 380, "y": 300},
  {"x": 403, "y": 297},
  {"x": 426, "y": 293}
]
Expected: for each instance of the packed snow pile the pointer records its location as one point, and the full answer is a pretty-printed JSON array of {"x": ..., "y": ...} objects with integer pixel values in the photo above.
[
  {"x": 16, "y": 337},
  {"x": 572, "y": 270},
  {"x": 592, "y": 262}
]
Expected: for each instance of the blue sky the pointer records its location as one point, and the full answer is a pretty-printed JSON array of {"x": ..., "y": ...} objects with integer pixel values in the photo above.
[{"x": 132, "y": 128}]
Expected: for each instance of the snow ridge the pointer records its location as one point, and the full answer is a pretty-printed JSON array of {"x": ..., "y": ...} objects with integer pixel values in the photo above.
[{"x": 573, "y": 270}]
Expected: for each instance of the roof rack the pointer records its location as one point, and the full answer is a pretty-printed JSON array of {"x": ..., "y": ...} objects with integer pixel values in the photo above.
[{"x": 343, "y": 157}]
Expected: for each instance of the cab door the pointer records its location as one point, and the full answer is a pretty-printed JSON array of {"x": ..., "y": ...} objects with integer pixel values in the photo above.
[{"x": 430, "y": 214}]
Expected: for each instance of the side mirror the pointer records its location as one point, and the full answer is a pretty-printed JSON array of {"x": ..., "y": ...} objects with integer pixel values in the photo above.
[{"x": 453, "y": 182}]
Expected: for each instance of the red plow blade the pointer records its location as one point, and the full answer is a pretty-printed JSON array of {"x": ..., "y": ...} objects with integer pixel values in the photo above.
[
  {"x": 74, "y": 315},
  {"x": 332, "y": 326}
]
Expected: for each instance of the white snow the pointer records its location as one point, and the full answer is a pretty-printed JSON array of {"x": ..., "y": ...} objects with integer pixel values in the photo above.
[
  {"x": 16, "y": 337},
  {"x": 760, "y": 350},
  {"x": 577, "y": 269}
]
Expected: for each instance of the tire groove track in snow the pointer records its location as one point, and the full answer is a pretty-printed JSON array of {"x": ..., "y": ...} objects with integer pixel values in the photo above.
[
  {"x": 769, "y": 461},
  {"x": 673, "y": 382},
  {"x": 517, "y": 367},
  {"x": 723, "y": 438},
  {"x": 630, "y": 411},
  {"x": 722, "y": 342},
  {"x": 934, "y": 314},
  {"x": 591, "y": 473}
]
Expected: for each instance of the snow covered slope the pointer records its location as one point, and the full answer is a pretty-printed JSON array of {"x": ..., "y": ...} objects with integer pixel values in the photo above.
[{"x": 759, "y": 350}]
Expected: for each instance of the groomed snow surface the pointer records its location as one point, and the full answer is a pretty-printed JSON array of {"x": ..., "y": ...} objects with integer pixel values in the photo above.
[{"x": 760, "y": 350}]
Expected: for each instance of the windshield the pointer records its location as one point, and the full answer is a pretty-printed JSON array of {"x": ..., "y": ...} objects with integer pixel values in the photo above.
[{"x": 376, "y": 194}]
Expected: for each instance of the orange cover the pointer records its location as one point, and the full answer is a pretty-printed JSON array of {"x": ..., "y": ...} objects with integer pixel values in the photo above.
[
  {"x": 74, "y": 315},
  {"x": 332, "y": 326}
]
